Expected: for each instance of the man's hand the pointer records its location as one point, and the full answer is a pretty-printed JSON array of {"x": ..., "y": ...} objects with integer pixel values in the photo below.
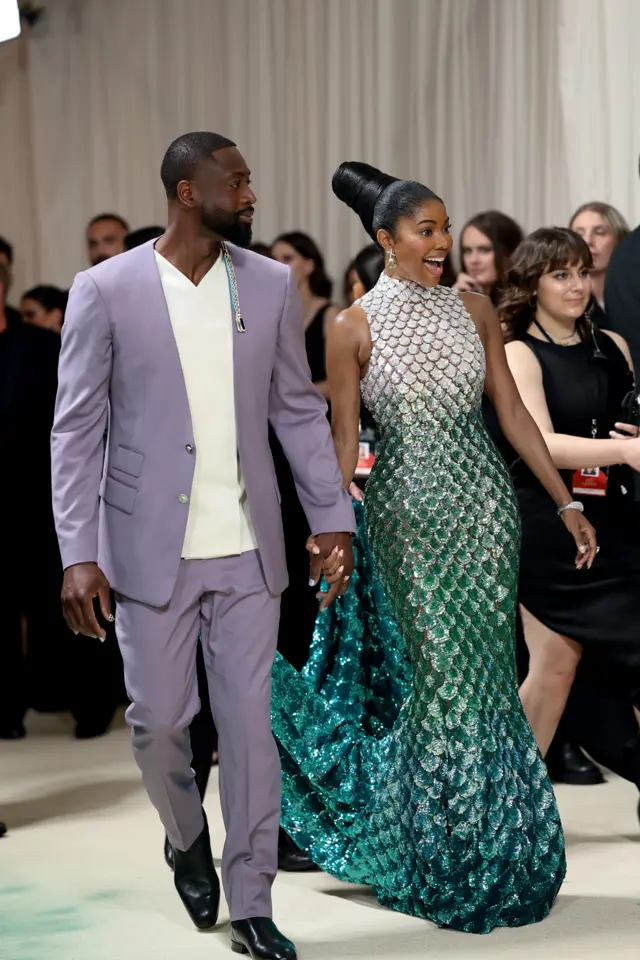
[
  {"x": 331, "y": 557},
  {"x": 81, "y": 584}
]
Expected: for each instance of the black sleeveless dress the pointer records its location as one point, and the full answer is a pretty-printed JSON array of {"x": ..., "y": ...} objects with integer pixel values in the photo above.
[
  {"x": 599, "y": 608},
  {"x": 314, "y": 341}
]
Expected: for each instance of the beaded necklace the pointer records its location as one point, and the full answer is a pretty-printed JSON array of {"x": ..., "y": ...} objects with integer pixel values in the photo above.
[{"x": 233, "y": 288}]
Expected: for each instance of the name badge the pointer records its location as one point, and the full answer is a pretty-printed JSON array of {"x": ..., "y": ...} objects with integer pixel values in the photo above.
[{"x": 591, "y": 482}]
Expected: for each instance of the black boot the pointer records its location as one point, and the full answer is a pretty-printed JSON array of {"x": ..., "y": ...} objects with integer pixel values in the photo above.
[
  {"x": 13, "y": 731},
  {"x": 260, "y": 938},
  {"x": 88, "y": 728},
  {"x": 291, "y": 858},
  {"x": 202, "y": 778},
  {"x": 567, "y": 763},
  {"x": 168, "y": 853},
  {"x": 197, "y": 882}
]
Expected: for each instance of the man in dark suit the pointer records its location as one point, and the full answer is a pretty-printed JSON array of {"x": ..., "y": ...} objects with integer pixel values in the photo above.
[
  {"x": 622, "y": 293},
  {"x": 28, "y": 366},
  {"x": 622, "y": 299},
  {"x": 53, "y": 670},
  {"x": 8, "y": 316}
]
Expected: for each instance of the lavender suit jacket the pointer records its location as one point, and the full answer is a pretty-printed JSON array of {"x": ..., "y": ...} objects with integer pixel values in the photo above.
[{"x": 120, "y": 373}]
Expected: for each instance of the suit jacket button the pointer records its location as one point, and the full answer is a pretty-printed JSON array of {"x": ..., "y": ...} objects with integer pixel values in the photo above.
[
  {"x": 183, "y": 498},
  {"x": 189, "y": 448}
]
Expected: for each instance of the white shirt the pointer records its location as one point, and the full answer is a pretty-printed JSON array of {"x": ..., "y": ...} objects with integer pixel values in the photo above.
[{"x": 219, "y": 522}]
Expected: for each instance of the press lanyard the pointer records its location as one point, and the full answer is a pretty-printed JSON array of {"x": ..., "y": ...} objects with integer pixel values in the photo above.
[
  {"x": 548, "y": 335},
  {"x": 233, "y": 288}
]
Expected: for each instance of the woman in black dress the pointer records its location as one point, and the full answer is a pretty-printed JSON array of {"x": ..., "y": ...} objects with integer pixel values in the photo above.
[
  {"x": 573, "y": 379},
  {"x": 302, "y": 255}
]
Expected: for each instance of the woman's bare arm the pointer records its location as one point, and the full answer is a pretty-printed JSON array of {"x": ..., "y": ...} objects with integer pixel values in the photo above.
[
  {"x": 348, "y": 351},
  {"x": 518, "y": 426},
  {"x": 567, "y": 452}
]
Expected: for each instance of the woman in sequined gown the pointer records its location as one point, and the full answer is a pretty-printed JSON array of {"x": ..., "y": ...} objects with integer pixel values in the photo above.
[{"x": 408, "y": 764}]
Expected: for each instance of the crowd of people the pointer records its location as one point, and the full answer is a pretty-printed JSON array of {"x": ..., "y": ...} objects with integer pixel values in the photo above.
[{"x": 567, "y": 299}]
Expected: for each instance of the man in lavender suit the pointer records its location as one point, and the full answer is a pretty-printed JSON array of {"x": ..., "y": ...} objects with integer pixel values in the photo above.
[{"x": 184, "y": 351}]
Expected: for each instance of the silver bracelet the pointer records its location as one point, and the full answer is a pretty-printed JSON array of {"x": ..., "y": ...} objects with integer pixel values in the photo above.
[{"x": 574, "y": 505}]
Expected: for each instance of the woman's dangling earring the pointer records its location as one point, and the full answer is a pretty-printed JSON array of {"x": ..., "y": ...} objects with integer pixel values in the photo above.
[{"x": 392, "y": 263}]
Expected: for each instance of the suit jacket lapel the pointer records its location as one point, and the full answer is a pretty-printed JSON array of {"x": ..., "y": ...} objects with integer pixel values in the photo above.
[{"x": 156, "y": 309}]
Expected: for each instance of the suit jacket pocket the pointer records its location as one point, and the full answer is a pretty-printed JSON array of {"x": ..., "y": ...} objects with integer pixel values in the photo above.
[
  {"x": 127, "y": 461},
  {"x": 119, "y": 495}
]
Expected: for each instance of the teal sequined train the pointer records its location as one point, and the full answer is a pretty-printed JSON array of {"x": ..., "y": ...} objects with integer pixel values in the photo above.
[{"x": 408, "y": 763}]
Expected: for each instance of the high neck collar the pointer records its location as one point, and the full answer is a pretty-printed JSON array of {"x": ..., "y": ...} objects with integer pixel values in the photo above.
[{"x": 400, "y": 284}]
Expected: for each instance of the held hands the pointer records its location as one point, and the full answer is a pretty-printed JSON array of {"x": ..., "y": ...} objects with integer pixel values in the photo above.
[
  {"x": 584, "y": 535},
  {"x": 331, "y": 557},
  {"x": 81, "y": 584}
]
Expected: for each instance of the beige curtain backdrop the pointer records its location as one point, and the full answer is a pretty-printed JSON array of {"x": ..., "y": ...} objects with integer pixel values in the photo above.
[{"x": 531, "y": 106}]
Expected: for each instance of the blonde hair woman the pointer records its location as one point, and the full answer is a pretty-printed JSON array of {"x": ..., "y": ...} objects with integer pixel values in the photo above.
[{"x": 602, "y": 227}]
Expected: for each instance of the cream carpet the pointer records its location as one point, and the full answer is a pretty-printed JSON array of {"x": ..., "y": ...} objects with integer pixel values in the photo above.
[{"x": 82, "y": 875}]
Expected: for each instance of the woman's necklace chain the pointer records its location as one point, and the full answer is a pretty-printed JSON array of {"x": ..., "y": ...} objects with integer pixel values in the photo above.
[{"x": 569, "y": 341}]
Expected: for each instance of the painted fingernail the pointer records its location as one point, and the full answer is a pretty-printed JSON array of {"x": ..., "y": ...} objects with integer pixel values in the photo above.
[
  {"x": 316, "y": 551},
  {"x": 340, "y": 569},
  {"x": 111, "y": 618},
  {"x": 341, "y": 554},
  {"x": 312, "y": 582},
  {"x": 346, "y": 579}
]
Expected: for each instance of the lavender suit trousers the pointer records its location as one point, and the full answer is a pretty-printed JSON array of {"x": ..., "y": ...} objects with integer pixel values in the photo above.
[{"x": 227, "y": 601}]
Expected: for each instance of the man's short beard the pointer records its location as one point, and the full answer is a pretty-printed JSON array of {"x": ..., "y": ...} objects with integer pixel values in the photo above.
[
  {"x": 237, "y": 233},
  {"x": 229, "y": 226}
]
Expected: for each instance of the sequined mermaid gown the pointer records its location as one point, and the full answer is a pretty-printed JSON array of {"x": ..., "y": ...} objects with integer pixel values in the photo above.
[{"x": 408, "y": 763}]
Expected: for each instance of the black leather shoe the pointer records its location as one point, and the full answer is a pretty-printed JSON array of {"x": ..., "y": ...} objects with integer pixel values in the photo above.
[
  {"x": 567, "y": 763},
  {"x": 261, "y": 940},
  {"x": 168, "y": 853},
  {"x": 197, "y": 882},
  {"x": 13, "y": 731},
  {"x": 95, "y": 727},
  {"x": 291, "y": 858},
  {"x": 3, "y": 829}
]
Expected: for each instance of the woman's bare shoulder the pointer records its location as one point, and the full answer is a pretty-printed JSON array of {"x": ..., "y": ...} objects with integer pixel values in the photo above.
[
  {"x": 349, "y": 333},
  {"x": 351, "y": 322}
]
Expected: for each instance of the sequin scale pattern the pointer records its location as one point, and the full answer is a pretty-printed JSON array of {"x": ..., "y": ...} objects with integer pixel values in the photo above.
[{"x": 408, "y": 763}]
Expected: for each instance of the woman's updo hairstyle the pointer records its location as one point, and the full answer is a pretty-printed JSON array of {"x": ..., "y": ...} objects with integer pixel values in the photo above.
[{"x": 378, "y": 199}]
